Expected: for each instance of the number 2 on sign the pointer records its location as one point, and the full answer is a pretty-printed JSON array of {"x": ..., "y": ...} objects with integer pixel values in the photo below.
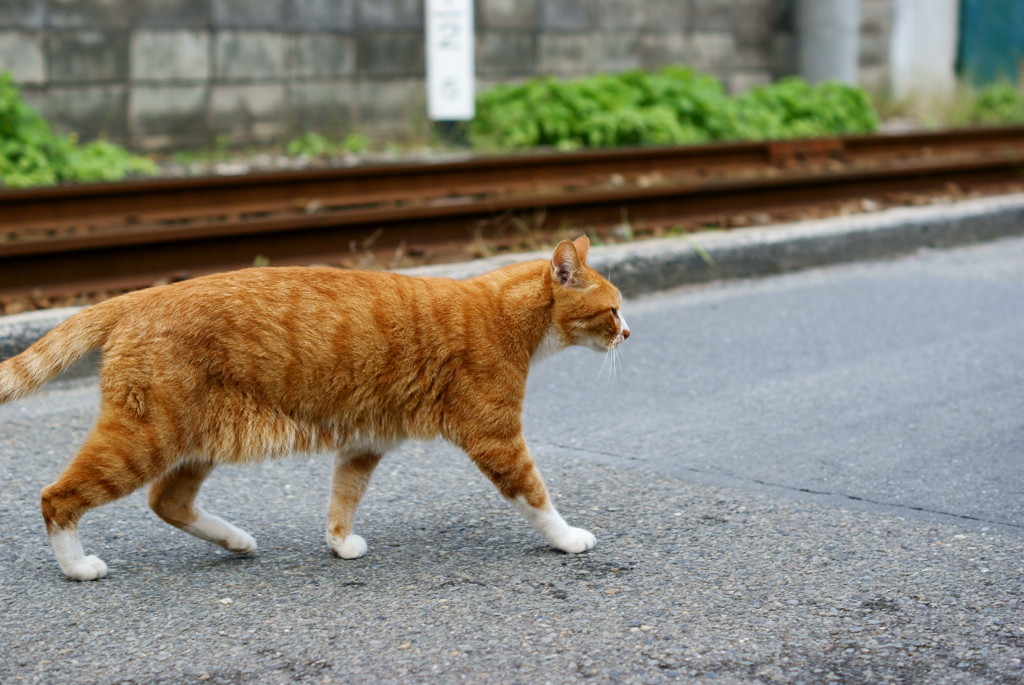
[{"x": 447, "y": 34}]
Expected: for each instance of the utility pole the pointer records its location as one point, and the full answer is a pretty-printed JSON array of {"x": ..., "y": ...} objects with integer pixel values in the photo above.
[{"x": 828, "y": 39}]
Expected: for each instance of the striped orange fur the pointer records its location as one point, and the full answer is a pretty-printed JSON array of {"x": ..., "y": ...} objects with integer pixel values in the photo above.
[{"x": 263, "y": 362}]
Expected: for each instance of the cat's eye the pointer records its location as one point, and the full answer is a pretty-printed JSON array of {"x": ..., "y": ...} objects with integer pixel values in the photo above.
[{"x": 615, "y": 312}]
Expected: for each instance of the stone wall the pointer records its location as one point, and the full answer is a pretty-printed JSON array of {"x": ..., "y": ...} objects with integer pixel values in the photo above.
[
  {"x": 163, "y": 73},
  {"x": 876, "y": 24}
]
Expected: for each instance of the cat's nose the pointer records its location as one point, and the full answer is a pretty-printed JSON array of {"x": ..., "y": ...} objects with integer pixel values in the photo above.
[{"x": 625, "y": 333}]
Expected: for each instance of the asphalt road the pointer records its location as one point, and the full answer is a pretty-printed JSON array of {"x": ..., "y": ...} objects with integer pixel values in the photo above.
[{"x": 807, "y": 478}]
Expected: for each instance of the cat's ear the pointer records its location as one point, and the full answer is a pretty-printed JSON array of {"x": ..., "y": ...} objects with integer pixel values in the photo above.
[
  {"x": 582, "y": 247},
  {"x": 566, "y": 264}
]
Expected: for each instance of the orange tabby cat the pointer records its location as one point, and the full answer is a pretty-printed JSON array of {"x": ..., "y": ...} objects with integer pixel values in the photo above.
[{"x": 241, "y": 366}]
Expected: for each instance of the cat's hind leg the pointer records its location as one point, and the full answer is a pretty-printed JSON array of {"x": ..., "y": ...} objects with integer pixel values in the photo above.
[
  {"x": 352, "y": 471},
  {"x": 509, "y": 465},
  {"x": 115, "y": 460},
  {"x": 173, "y": 497}
]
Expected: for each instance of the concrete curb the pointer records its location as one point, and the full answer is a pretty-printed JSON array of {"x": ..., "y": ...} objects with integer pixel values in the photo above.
[{"x": 652, "y": 265}]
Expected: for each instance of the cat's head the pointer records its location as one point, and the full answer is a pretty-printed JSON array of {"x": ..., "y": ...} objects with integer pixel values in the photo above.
[{"x": 587, "y": 308}]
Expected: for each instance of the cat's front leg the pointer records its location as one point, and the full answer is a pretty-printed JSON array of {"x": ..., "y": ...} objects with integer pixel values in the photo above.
[
  {"x": 513, "y": 471},
  {"x": 352, "y": 471},
  {"x": 551, "y": 525}
]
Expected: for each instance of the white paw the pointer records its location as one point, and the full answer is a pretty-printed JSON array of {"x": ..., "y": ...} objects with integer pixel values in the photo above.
[
  {"x": 351, "y": 547},
  {"x": 574, "y": 540},
  {"x": 218, "y": 531},
  {"x": 239, "y": 542},
  {"x": 86, "y": 568}
]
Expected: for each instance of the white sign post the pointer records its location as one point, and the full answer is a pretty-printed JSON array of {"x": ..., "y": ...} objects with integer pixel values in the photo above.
[{"x": 450, "y": 68}]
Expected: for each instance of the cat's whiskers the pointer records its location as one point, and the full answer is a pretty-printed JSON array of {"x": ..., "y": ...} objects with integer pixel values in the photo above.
[
  {"x": 604, "y": 364},
  {"x": 613, "y": 364}
]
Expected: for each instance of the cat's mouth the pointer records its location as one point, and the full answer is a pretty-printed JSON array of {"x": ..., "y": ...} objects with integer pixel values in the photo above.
[
  {"x": 615, "y": 342},
  {"x": 603, "y": 344}
]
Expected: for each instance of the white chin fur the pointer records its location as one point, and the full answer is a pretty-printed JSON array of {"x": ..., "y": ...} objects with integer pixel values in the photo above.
[{"x": 550, "y": 344}]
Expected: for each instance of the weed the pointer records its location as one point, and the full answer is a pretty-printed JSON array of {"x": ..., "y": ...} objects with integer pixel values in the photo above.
[
  {"x": 356, "y": 143},
  {"x": 32, "y": 154},
  {"x": 675, "y": 105},
  {"x": 998, "y": 104},
  {"x": 313, "y": 144}
]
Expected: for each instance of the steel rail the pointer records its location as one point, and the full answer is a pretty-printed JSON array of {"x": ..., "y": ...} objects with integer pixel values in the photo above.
[
  {"x": 69, "y": 238},
  {"x": 179, "y": 198}
]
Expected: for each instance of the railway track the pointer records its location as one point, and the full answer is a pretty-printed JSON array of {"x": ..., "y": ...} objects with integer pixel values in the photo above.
[{"x": 118, "y": 236}]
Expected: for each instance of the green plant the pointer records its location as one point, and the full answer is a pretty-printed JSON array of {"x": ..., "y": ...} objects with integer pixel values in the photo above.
[
  {"x": 101, "y": 160},
  {"x": 672, "y": 106},
  {"x": 997, "y": 104},
  {"x": 311, "y": 144},
  {"x": 314, "y": 144},
  {"x": 356, "y": 143},
  {"x": 792, "y": 108},
  {"x": 31, "y": 154}
]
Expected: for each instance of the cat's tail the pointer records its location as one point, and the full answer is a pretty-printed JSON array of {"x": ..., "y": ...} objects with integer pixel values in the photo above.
[{"x": 68, "y": 342}]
